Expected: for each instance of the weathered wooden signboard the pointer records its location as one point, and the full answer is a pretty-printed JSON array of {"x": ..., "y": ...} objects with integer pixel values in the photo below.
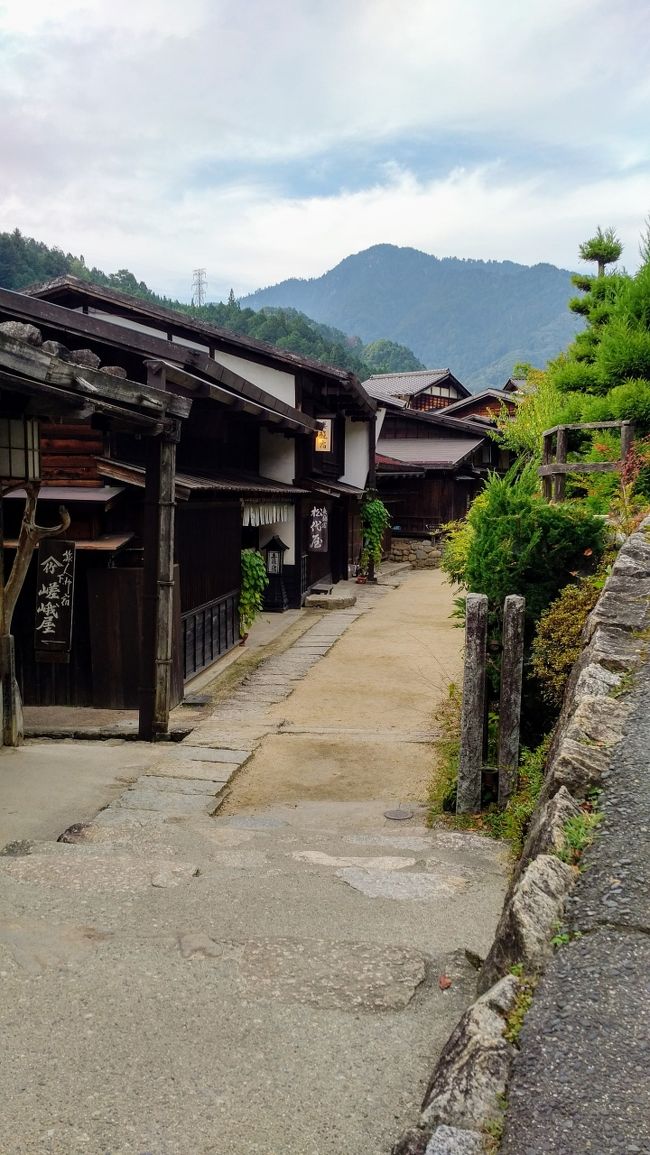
[
  {"x": 54, "y": 599},
  {"x": 318, "y": 529}
]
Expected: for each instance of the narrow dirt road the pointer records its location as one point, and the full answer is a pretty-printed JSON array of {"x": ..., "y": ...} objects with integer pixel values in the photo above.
[
  {"x": 265, "y": 981},
  {"x": 360, "y": 726}
]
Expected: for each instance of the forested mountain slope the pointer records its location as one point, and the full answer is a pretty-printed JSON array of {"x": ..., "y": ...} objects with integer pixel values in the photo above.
[
  {"x": 25, "y": 261},
  {"x": 477, "y": 317}
]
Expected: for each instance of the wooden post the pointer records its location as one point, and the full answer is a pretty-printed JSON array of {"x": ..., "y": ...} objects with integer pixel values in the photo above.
[
  {"x": 547, "y": 444},
  {"x": 627, "y": 438},
  {"x": 512, "y": 664},
  {"x": 468, "y": 797},
  {"x": 559, "y": 479},
  {"x": 158, "y": 591}
]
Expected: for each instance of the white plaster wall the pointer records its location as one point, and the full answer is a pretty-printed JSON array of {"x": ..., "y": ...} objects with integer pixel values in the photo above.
[
  {"x": 381, "y": 413},
  {"x": 286, "y": 531},
  {"x": 277, "y": 456},
  {"x": 274, "y": 381},
  {"x": 356, "y": 453}
]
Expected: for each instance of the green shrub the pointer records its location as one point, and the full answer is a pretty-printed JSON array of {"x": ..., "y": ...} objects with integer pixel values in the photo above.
[
  {"x": 624, "y": 352},
  {"x": 578, "y": 834},
  {"x": 557, "y": 643},
  {"x": 519, "y": 544},
  {"x": 512, "y": 822},
  {"x": 580, "y": 375}
]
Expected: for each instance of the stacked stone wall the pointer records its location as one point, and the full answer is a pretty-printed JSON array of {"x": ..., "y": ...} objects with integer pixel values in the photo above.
[{"x": 421, "y": 553}]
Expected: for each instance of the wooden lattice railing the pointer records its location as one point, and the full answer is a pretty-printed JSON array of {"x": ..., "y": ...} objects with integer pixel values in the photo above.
[{"x": 555, "y": 466}]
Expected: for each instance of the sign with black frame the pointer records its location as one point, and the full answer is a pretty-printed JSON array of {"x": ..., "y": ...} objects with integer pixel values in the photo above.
[{"x": 54, "y": 598}]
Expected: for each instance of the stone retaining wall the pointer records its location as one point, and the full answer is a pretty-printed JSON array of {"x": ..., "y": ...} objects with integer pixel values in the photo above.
[
  {"x": 467, "y": 1088},
  {"x": 421, "y": 553}
]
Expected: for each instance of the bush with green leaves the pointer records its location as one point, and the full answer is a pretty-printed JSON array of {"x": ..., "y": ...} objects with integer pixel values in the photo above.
[
  {"x": 519, "y": 544},
  {"x": 558, "y": 641},
  {"x": 254, "y": 580}
]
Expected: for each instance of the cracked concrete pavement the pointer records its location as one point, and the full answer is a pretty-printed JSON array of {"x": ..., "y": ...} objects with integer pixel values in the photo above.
[{"x": 241, "y": 954}]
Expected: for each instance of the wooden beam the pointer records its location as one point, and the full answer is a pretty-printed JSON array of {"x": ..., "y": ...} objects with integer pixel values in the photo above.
[
  {"x": 118, "y": 337},
  {"x": 586, "y": 425},
  {"x": 563, "y": 467},
  {"x": 30, "y": 361},
  {"x": 51, "y": 400},
  {"x": 547, "y": 448},
  {"x": 158, "y": 591},
  {"x": 559, "y": 480}
]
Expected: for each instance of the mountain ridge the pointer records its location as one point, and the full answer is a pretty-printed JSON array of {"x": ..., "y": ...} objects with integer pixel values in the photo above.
[{"x": 478, "y": 317}]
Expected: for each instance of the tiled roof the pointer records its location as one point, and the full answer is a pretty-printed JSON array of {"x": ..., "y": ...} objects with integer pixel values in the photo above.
[
  {"x": 463, "y": 402},
  {"x": 396, "y": 386},
  {"x": 51, "y": 291},
  {"x": 433, "y": 452}
]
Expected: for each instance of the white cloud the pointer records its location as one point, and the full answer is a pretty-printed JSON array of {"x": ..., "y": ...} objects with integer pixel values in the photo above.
[{"x": 114, "y": 111}]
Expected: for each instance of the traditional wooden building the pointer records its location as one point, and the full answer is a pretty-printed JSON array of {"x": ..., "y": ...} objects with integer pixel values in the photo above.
[
  {"x": 45, "y": 590},
  {"x": 430, "y": 463},
  {"x": 487, "y": 404},
  {"x": 274, "y": 446},
  {"x": 424, "y": 390}
]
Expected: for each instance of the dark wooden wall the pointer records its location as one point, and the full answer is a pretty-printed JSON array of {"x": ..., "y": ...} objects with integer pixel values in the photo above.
[
  {"x": 436, "y": 498},
  {"x": 115, "y": 624},
  {"x": 69, "y": 453},
  {"x": 104, "y": 665},
  {"x": 208, "y": 550}
]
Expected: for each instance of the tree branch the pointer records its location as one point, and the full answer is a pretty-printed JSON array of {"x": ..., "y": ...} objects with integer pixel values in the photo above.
[{"x": 30, "y": 535}]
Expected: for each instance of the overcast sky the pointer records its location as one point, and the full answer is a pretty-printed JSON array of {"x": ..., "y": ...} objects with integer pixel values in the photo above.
[{"x": 271, "y": 138}]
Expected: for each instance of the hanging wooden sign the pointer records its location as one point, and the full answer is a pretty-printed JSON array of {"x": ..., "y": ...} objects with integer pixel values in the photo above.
[
  {"x": 318, "y": 529},
  {"x": 54, "y": 598}
]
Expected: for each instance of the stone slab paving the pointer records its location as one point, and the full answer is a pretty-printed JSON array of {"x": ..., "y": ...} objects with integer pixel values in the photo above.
[
  {"x": 180, "y": 984},
  {"x": 190, "y": 778}
]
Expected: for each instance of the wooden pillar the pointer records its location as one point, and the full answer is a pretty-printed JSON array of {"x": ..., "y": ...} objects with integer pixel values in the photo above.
[
  {"x": 559, "y": 479},
  {"x": 547, "y": 443},
  {"x": 512, "y": 664},
  {"x": 372, "y": 447},
  {"x": 468, "y": 797},
  {"x": 158, "y": 587},
  {"x": 627, "y": 438}
]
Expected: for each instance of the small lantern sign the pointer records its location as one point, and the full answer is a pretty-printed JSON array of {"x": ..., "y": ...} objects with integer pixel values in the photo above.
[
  {"x": 19, "y": 455},
  {"x": 324, "y": 436},
  {"x": 275, "y": 597}
]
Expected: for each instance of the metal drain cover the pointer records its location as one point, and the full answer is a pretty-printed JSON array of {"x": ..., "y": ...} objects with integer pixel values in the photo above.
[{"x": 398, "y": 815}]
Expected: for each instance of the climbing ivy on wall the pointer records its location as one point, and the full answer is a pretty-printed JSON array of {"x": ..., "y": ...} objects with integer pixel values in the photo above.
[
  {"x": 375, "y": 520},
  {"x": 254, "y": 580}
]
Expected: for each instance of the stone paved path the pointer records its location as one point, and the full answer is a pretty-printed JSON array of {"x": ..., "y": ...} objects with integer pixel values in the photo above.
[{"x": 264, "y": 980}]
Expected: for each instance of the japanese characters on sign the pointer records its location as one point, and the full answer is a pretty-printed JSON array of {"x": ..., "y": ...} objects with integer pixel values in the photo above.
[
  {"x": 318, "y": 526},
  {"x": 324, "y": 436},
  {"x": 54, "y": 597}
]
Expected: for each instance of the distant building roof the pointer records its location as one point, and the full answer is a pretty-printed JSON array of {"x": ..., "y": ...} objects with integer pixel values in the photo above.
[
  {"x": 464, "y": 402},
  {"x": 515, "y": 385},
  {"x": 399, "y": 387},
  {"x": 68, "y": 291},
  {"x": 430, "y": 452}
]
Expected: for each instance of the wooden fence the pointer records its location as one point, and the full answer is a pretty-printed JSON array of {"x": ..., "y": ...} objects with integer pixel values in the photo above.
[{"x": 555, "y": 466}]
